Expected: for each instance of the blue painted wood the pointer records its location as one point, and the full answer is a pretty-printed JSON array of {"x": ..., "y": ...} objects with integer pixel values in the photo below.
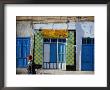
[
  {"x": 53, "y": 53},
  {"x": 22, "y": 51},
  {"x": 61, "y": 52},
  {"x": 87, "y": 57},
  {"x": 18, "y": 47}
]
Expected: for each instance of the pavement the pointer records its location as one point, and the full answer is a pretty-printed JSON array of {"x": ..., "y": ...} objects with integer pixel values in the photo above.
[{"x": 52, "y": 72}]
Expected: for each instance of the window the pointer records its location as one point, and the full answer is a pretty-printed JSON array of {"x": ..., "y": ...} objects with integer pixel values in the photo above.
[
  {"x": 46, "y": 40},
  {"x": 62, "y": 40},
  {"x": 53, "y": 40},
  {"x": 87, "y": 40}
]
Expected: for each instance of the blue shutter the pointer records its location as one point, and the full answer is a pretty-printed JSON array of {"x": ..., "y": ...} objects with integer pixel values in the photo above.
[
  {"x": 22, "y": 51},
  {"x": 61, "y": 52}
]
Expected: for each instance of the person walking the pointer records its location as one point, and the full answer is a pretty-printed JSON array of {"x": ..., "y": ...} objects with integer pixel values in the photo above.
[{"x": 29, "y": 67}]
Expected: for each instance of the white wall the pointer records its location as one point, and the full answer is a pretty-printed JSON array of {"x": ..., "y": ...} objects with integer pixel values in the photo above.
[
  {"x": 55, "y": 26},
  {"x": 24, "y": 29}
]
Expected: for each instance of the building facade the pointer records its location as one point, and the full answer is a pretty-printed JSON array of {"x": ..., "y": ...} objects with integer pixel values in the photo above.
[{"x": 56, "y": 45}]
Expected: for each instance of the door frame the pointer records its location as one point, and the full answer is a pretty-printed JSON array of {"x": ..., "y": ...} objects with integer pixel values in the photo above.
[{"x": 57, "y": 63}]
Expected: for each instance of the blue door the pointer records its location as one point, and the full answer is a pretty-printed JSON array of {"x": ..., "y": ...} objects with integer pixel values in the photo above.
[
  {"x": 87, "y": 55},
  {"x": 22, "y": 51},
  {"x": 53, "y": 56},
  {"x": 54, "y": 53}
]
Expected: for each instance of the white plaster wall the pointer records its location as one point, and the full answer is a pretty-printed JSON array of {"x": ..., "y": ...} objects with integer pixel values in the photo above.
[
  {"x": 88, "y": 28},
  {"x": 79, "y": 35},
  {"x": 55, "y": 26},
  {"x": 24, "y": 29}
]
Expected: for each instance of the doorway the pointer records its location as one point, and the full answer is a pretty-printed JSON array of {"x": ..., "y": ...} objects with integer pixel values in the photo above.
[
  {"x": 54, "y": 53},
  {"x": 87, "y": 57}
]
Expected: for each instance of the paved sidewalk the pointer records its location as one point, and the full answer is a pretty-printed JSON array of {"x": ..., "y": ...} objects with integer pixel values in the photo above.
[
  {"x": 21, "y": 71},
  {"x": 61, "y": 72},
  {"x": 52, "y": 72}
]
